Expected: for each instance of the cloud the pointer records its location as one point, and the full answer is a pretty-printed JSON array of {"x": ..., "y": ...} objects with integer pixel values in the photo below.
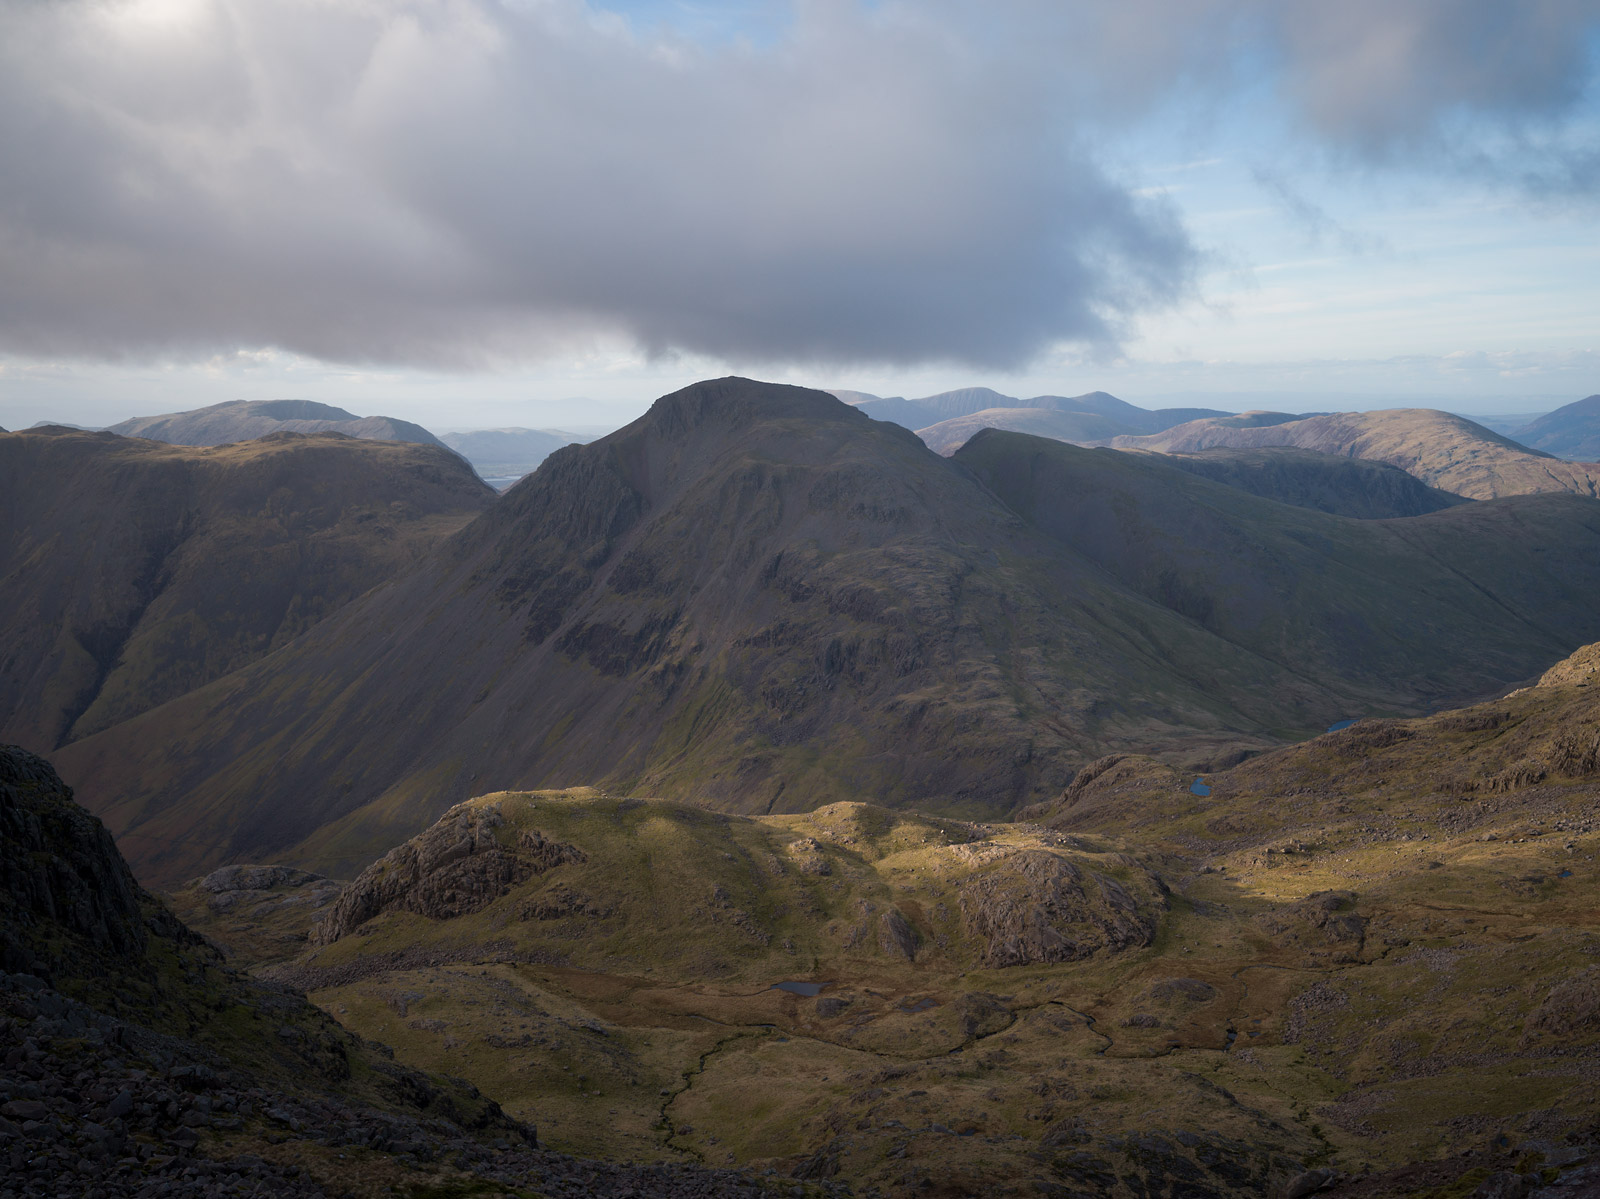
[
  {"x": 455, "y": 183},
  {"x": 1391, "y": 78}
]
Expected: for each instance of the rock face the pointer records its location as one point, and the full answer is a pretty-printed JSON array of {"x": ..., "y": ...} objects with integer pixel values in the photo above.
[
  {"x": 456, "y": 867},
  {"x": 59, "y": 869},
  {"x": 1576, "y": 670},
  {"x": 1035, "y": 907}
]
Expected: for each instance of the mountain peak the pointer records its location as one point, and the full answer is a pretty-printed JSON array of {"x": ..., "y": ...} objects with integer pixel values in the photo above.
[{"x": 734, "y": 402}]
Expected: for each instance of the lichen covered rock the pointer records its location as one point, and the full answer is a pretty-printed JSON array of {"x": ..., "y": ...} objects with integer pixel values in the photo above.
[
  {"x": 1034, "y": 906},
  {"x": 456, "y": 867}
]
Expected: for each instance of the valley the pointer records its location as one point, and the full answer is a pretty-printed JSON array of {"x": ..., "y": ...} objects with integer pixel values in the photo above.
[{"x": 1371, "y": 954}]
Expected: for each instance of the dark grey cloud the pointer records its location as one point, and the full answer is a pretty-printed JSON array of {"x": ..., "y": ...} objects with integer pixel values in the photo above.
[
  {"x": 425, "y": 181},
  {"x": 453, "y": 182}
]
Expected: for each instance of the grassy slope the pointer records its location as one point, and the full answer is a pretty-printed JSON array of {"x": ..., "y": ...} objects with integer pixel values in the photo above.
[
  {"x": 1433, "y": 607},
  {"x": 136, "y": 571},
  {"x": 1377, "y": 950},
  {"x": 1444, "y": 451}
]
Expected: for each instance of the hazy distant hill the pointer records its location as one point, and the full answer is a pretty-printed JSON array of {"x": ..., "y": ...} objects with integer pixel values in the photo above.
[
  {"x": 1570, "y": 432},
  {"x": 1443, "y": 450},
  {"x": 241, "y": 420},
  {"x": 134, "y": 571},
  {"x": 1114, "y": 416},
  {"x": 756, "y": 599},
  {"x": 501, "y": 453}
]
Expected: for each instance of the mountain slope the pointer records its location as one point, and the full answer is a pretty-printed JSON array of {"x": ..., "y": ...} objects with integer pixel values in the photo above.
[
  {"x": 135, "y": 571},
  {"x": 1101, "y": 415},
  {"x": 1569, "y": 432},
  {"x": 1444, "y": 451},
  {"x": 242, "y": 420},
  {"x": 759, "y": 600},
  {"x": 1414, "y": 608},
  {"x": 134, "y": 1062},
  {"x": 948, "y": 436},
  {"x": 1324, "y": 482}
]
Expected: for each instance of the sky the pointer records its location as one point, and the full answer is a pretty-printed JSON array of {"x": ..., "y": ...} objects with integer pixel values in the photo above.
[{"x": 546, "y": 213}]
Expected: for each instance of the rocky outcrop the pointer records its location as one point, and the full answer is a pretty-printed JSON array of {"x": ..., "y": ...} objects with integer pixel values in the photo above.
[
  {"x": 1576, "y": 670},
  {"x": 1324, "y": 924},
  {"x": 458, "y": 866},
  {"x": 59, "y": 871},
  {"x": 1035, "y": 906}
]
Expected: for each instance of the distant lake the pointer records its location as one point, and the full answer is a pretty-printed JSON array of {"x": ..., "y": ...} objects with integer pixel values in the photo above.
[
  {"x": 806, "y": 989},
  {"x": 1343, "y": 724},
  {"x": 1199, "y": 786}
]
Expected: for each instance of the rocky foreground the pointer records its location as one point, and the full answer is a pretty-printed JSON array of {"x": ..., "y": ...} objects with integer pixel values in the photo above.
[{"x": 133, "y": 1062}]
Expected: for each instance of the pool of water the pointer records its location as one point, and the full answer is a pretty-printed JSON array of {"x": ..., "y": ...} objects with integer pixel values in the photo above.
[
  {"x": 1199, "y": 786},
  {"x": 1342, "y": 724},
  {"x": 1565, "y": 874},
  {"x": 807, "y": 989}
]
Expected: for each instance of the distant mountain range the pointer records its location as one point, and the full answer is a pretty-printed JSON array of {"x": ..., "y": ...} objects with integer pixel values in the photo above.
[
  {"x": 1444, "y": 451},
  {"x": 756, "y": 598},
  {"x": 1096, "y": 415},
  {"x": 242, "y": 420}
]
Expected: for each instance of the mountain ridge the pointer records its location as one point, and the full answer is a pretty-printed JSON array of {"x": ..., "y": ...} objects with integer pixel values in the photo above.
[
  {"x": 758, "y": 598},
  {"x": 1443, "y": 450},
  {"x": 245, "y": 420}
]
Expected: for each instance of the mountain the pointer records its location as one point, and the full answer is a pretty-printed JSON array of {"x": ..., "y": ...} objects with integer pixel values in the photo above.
[
  {"x": 948, "y": 436},
  {"x": 135, "y": 571},
  {"x": 1099, "y": 424},
  {"x": 1362, "y": 965},
  {"x": 1444, "y": 451},
  {"x": 1382, "y": 605},
  {"x": 1114, "y": 416},
  {"x": 756, "y": 599},
  {"x": 507, "y": 453},
  {"x": 1569, "y": 432},
  {"x": 134, "y": 1061},
  {"x": 1324, "y": 482},
  {"x": 243, "y": 420}
]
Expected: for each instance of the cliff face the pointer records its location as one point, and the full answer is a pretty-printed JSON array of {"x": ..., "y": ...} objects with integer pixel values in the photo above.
[{"x": 61, "y": 877}]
